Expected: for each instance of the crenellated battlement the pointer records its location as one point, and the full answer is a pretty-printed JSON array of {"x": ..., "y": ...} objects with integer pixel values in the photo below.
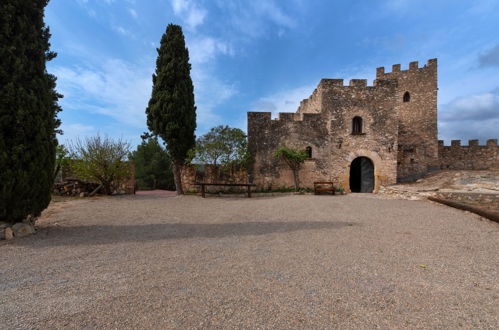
[
  {"x": 413, "y": 67},
  {"x": 355, "y": 83},
  {"x": 295, "y": 116},
  {"x": 471, "y": 143},
  {"x": 468, "y": 157},
  {"x": 282, "y": 117}
]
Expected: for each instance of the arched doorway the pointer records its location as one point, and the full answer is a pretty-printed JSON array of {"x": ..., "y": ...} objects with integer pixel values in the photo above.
[{"x": 362, "y": 175}]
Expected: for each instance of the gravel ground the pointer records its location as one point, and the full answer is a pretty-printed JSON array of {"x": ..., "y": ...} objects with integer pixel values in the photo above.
[{"x": 355, "y": 261}]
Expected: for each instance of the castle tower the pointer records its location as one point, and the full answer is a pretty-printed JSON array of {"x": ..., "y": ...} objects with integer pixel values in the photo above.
[{"x": 416, "y": 101}]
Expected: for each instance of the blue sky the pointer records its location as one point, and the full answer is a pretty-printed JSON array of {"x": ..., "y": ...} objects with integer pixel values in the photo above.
[{"x": 267, "y": 55}]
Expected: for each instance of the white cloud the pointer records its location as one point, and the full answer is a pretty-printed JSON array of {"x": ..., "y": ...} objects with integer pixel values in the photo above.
[
  {"x": 210, "y": 92},
  {"x": 471, "y": 117},
  {"x": 256, "y": 18},
  {"x": 204, "y": 49},
  {"x": 116, "y": 89},
  {"x": 283, "y": 101},
  {"x": 133, "y": 12},
  {"x": 192, "y": 14},
  {"x": 121, "y": 30}
]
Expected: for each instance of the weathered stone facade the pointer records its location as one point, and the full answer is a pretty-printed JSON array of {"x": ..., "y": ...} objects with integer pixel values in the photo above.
[
  {"x": 392, "y": 123},
  {"x": 192, "y": 174},
  {"x": 470, "y": 157}
]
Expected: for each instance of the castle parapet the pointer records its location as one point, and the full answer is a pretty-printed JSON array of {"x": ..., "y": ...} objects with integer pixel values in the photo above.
[
  {"x": 492, "y": 142},
  {"x": 385, "y": 83},
  {"x": 253, "y": 115},
  {"x": 331, "y": 82},
  {"x": 473, "y": 143},
  {"x": 413, "y": 66},
  {"x": 358, "y": 83},
  {"x": 286, "y": 116},
  {"x": 471, "y": 157},
  {"x": 432, "y": 62}
]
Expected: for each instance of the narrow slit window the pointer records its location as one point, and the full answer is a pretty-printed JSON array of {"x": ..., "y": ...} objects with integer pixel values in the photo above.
[
  {"x": 357, "y": 125},
  {"x": 309, "y": 152},
  {"x": 407, "y": 97}
]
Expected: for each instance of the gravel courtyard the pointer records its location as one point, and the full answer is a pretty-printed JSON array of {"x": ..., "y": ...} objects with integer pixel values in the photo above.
[{"x": 355, "y": 261}]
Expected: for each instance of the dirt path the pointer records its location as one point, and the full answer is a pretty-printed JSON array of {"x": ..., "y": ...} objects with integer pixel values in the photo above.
[{"x": 355, "y": 261}]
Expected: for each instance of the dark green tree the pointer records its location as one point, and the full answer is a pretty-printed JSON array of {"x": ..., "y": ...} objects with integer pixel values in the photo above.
[
  {"x": 222, "y": 145},
  {"x": 28, "y": 110},
  {"x": 171, "y": 113},
  {"x": 152, "y": 165}
]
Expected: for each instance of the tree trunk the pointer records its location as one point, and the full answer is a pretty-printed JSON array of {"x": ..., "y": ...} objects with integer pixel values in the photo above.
[
  {"x": 296, "y": 178},
  {"x": 177, "y": 166}
]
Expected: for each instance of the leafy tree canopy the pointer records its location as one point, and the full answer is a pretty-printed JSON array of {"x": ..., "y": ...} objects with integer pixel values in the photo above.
[
  {"x": 222, "y": 145},
  {"x": 152, "y": 165},
  {"x": 294, "y": 158},
  {"x": 101, "y": 159}
]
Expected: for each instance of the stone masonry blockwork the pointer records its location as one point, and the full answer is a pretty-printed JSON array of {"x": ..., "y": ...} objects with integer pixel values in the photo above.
[{"x": 398, "y": 131}]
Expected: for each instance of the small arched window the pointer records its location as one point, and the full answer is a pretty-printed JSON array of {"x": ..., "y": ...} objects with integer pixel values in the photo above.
[
  {"x": 357, "y": 125},
  {"x": 308, "y": 150},
  {"x": 407, "y": 97}
]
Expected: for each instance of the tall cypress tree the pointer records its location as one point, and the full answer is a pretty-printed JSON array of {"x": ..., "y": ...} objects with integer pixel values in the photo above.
[
  {"x": 171, "y": 112},
  {"x": 28, "y": 110}
]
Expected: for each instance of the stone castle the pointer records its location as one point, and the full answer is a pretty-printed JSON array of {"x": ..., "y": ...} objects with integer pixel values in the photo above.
[{"x": 360, "y": 136}]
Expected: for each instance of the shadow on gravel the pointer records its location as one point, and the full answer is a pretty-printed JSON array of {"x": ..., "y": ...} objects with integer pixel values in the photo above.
[{"x": 107, "y": 234}]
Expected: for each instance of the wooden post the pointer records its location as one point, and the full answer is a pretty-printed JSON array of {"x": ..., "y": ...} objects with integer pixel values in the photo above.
[
  {"x": 249, "y": 191},
  {"x": 202, "y": 190}
]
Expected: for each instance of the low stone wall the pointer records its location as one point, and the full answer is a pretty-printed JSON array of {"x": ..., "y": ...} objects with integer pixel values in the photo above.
[
  {"x": 128, "y": 186},
  {"x": 485, "y": 200},
  {"x": 470, "y": 157},
  {"x": 192, "y": 174}
]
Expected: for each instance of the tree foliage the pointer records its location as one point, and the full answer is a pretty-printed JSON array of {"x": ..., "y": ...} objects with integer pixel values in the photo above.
[
  {"x": 152, "y": 165},
  {"x": 28, "y": 110},
  {"x": 222, "y": 145},
  {"x": 101, "y": 159},
  {"x": 294, "y": 158},
  {"x": 171, "y": 113},
  {"x": 62, "y": 160}
]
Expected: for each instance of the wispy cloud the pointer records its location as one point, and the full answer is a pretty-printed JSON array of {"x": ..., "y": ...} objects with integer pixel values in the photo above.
[
  {"x": 256, "y": 18},
  {"x": 117, "y": 89},
  {"x": 124, "y": 32},
  {"x": 210, "y": 90},
  {"x": 204, "y": 49},
  {"x": 133, "y": 13},
  {"x": 75, "y": 131},
  {"x": 490, "y": 57},
  {"x": 283, "y": 101},
  {"x": 472, "y": 117},
  {"x": 191, "y": 13}
]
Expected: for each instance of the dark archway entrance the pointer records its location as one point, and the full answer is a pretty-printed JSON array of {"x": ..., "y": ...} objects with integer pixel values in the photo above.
[{"x": 362, "y": 175}]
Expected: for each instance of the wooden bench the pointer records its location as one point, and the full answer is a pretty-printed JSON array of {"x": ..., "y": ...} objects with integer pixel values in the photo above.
[
  {"x": 204, "y": 184},
  {"x": 318, "y": 187}
]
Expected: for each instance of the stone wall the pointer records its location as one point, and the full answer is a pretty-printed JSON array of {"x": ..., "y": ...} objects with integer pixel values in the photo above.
[
  {"x": 128, "y": 186},
  {"x": 324, "y": 123},
  {"x": 470, "y": 157},
  {"x": 192, "y": 174},
  {"x": 399, "y": 132},
  {"x": 417, "y": 129}
]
